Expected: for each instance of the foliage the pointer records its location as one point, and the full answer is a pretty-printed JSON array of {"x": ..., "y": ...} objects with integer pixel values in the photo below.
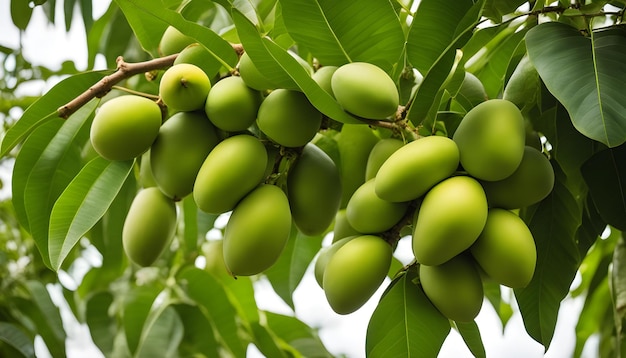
[{"x": 65, "y": 204}]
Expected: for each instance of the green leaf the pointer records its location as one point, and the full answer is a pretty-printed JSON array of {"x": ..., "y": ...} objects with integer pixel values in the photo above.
[
  {"x": 162, "y": 336},
  {"x": 214, "y": 303},
  {"x": 83, "y": 203},
  {"x": 553, "y": 223},
  {"x": 586, "y": 74},
  {"x": 68, "y": 12},
  {"x": 14, "y": 336},
  {"x": 101, "y": 325},
  {"x": 59, "y": 160},
  {"x": 405, "y": 323},
  {"x": 20, "y": 13},
  {"x": 241, "y": 294},
  {"x": 96, "y": 33},
  {"x": 117, "y": 39},
  {"x": 266, "y": 341},
  {"x": 338, "y": 32},
  {"x": 47, "y": 318},
  {"x": 297, "y": 334},
  {"x": 471, "y": 336},
  {"x": 137, "y": 306},
  {"x": 276, "y": 63},
  {"x": 494, "y": 9},
  {"x": 605, "y": 174},
  {"x": 45, "y": 108},
  {"x": 287, "y": 272},
  {"x": 190, "y": 222},
  {"x": 198, "y": 335}
]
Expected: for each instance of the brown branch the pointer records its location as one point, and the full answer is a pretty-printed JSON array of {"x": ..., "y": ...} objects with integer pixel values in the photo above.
[{"x": 124, "y": 71}]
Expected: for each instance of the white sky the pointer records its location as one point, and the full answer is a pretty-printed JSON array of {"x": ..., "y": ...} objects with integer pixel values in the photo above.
[{"x": 49, "y": 45}]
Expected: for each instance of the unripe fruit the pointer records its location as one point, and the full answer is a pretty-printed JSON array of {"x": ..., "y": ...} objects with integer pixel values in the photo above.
[
  {"x": 471, "y": 93},
  {"x": 252, "y": 76},
  {"x": 214, "y": 254},
  {"x": 173, "y": 41},
  {"x": 184, "y": 87},
  {"x": 454, "y": 287},
  {"x": 257, "y": 231},
  {"x": 355, "y": 271},
  {"x": 449, "y": 220},
  {"x": 314, "y": 190},
  {"x": 149, "y": 226},
  {"x": 323, "y": 78},
  {"x": 231, "y": 170},
  {"x": 288, "y": 118},
  {"x": 342, "y": 227},
  {"x": 231, "y": 105},
  {"x": 198, "y": 55},
  {"x": 146, "y": 179},
  {"x": 379, "y": 154},
  {"x": 125, "y": 127},
  {"x": 324, "y": 256},
  {"x": 365, "y": 90},
  {"x": 506, "y": 249},
  {"x": 184, "y": 141},
  {"x": 416, "y": 167},
  {"x": 367, "y": 213},
  {"x": 529, "y": 184},
  {"x": 491, "y": 140},
  {"x": 523, "y": 85}
]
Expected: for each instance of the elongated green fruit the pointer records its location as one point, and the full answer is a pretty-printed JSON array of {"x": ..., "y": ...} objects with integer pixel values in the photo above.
[
  {"x": 231, "y": 170},
  {"x": 379, "y": 154},
  {"x": 173, "y": 41},
  {"x": 252, "y": 76},
  {"x": 231, "y": 105},
  {"x": 355, "y": 271},
  {"x": 257, "y": 231},
  {"x": 149, "y": 226},
  {"x": 415, "y": 168},
  {"x": 368, "y": 213},
  {"x": 342, "y": 227},
  {"x": 325, "y": 254}
]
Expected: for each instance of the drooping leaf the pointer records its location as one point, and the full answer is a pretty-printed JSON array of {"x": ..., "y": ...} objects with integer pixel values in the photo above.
[
  {"x": 405, "y": 323},
  {"x": 14, "y": 336},
  {"x": 96, "y": 33},
  {"x": 198, "y": 335},
  {"x": 605, "y": 174},
  {"x": 83, "y": 203},
  {"x": 495, "y": 9},
  {"x": 117, "y": 38},
  {"x": 297, "y": 334},
  {"x": 338, "y": 32},
  {"x": 241, "y": 294},
  {"x": 618, "y": 287},
  {"x": 101, "y": 324},
  {"x": 190, "y": 221},
  {"x": 47, "y": 318},
  {"x": 586, "y": 74},
  {"x": 471, "y": 336},
  {"x": 266, "y": 341},
  {"x": 137, "y": 305},
  {"x": 163, "y": 334},
  {"x": 45, "y": 108}
]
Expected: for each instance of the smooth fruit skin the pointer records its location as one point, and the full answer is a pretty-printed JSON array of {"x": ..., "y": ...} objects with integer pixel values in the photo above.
[
  {"x": 449, "y": 220},
  {"x": 173, "y": 41},
  {"x": 314, "y": 190},
  {"x": 252, "y": 76},
  {"x": 531, "y": 182},
  {"x": 288, "y": 118},
  {"x": 184, "y": 87},
  {"x": 369, "y": 214},
  {"x": 454, "y": 287},
  {"x": 471, "y": 93},
  {"x": 355, "y": 271},
  {"x": 125, "y": 127},
  {"x": 177, "y": 154},
  {"x": 342, "y": 227},
  {"x": 146, "y": 179},
  {"x": 149, "y": 226},
  {"x": 416, "y": 167},
  {"x": 323, "y": 78},
  {"x": 491, "y": 139},
  {"x": 214, "y": 254},
  {"x": 198, "y": 55},
  {"x": 379, "y": 154},
  {"x": 505, "y": 249},
  {"x": 231, "y": 170},
  {"x": 231, "y": 105},
  {"x": 257, "y": 231},
  {"x": 365, "y": 90},
  {"x": 324, "y": 256}
]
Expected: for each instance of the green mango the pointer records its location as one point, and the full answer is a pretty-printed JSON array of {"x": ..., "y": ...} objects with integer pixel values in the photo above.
[
  {"x": 531, "y": 182},
  {"x": 324, "y": 255},
  {"x": 184, "y": 87},
  {"x": 379, "y": 154},
  {"x": 124, "y": 127},
  {"x": 231, "y": 105},
  {"x": 214, "y": 254},
  {"x": 252, "y": 76},
  {"x": 146, "y": 179},
  {"x": 173, "y": 41},
  {"x": 365, "y": 90},
  {"x": 471, "y": 93},
  {"x": 314, "y": 190},
  {"x": 257, "y": 231},
  {"x": 491, "y": 139},
  {"x": 323, "y": 78},
  {"x": 288, "y": 118},
  {"x": 523, "y": 85},
  {"x": 449, "y": 220},
  {"x": 355, "y": 271},
  {"x": 231, "y": 170},
  {"x": 505, "y": 249},
  {"x": 149, "y": 226},
  {"x": 198, "y": 55},
  {"x": 368, "y": 213},
  {"x": 416, "y": 167},
  {"x": 177, "y": 154},
  {"x": 454, "y": 287},
  {"x": 342, "y": 227}
]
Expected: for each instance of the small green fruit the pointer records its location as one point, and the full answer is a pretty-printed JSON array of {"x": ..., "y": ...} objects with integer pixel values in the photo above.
[
  {"x": 149, "y": 226},
  {"x": 125, "y": 127},
  {"x": 214, "y": 254},
  {"x": 379, "y": 154},
  {"x": 368, "y": 213},
  {"x": 454, "y": 287},
  {"x": 231, "y": 105},
  {"x": 252, "y": 76},
  {"x": 323, "y": 78},
  {"x": 257, "y": 231},
  {"x": 505, "y": 249},
  {"x": 365, "y": 90},
  {"x": 184, "y": 87},
  {"x": 173, "y": 41},
  {"x": 342, "y": 227},
  {"x": 288, "y": 118},
  {"x": 198, "y": 55},
  {"x": 470, "y": 94},
  {"x": 355, "y": 271}
]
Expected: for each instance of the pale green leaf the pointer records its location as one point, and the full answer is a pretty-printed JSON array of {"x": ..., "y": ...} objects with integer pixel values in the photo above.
[
  {"x": 162, "y": 335},
  {"x": 137, "y": 303},
  {"x": 101, "y": 324},
  {"x": 198, "y": 337},
  {"x": 297, "y": 334}
]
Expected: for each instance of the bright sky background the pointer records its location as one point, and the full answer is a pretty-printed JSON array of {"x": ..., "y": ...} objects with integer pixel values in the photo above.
[{"x": 48, "y": 45}]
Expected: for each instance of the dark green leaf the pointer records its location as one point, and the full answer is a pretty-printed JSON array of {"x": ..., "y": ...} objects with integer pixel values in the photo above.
[
  {"x": 494, "y": 9},
  {"x": 137, "y": 305},
  {"x": 338, "y": 32},
  {"x": 297, "y": 334},
  {"x": 101, "y": 324},
  {"x": 47, "y": 318},
  {"x": 14, "y": 336},
  {"x": 586, "y": 74},
  {"x": 83, "y": 203},
  {"x": 86, "y": 10},
  {"x": 471, "y": 336},
  {"x": 618, "y": 286},
  {"x": 118, "y": 36},
  {"x": 95, "y": 36},
  {"x": 605, "y": 174},
  {"x": 190, "y": 221},
  {"x": 405, "y": 323},
  {"x": 21, "y": 13},
  {"x": 198, "y": 335}
]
